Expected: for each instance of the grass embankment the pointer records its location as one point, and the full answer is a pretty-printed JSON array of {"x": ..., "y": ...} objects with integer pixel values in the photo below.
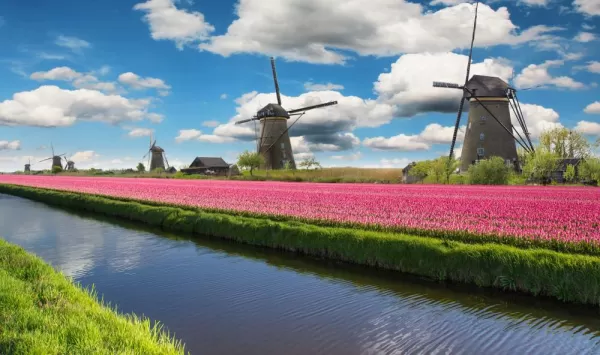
[
  {"x": 567, "y": 277},
  {"x": 43, "y": 312}
]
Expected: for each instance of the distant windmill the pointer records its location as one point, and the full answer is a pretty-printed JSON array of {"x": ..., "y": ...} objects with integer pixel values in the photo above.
[
  {"x": 157, "y": 158},
  {"x": 56, "y": 159},
  {"x": 274, "y": 141},
  {"x": 489, "y": 130},
  {"x": 70, "y": 165},
  {"x": 28, "y": 165}
]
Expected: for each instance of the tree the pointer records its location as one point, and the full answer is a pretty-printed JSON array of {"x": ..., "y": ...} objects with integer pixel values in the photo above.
[
  {"x": 141, "y": 168},
  {"x": 492, "y": 171},
  {"x": 309, "y": 162},
  {"x": 438, "y": 169},
  {"x": 540, "y": 165},
  {"x": 590, "y": 169},
  {"x": 565, "y": 143},
  {"x": 56, "y": 169},
  {"x": 570, "y": 173},
  {"x": 250, "y": 160},
  {"x": 421, "y": 169}
]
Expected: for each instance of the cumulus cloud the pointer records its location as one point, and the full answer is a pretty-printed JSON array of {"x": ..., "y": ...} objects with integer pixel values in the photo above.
[
  {"x": 136, "y": 82},
  {"x": 59, "y": 73},
  {"x": 310, "y": 86},
  {"x": 140, "y": 132},
  {"x": 432, "y": 134},
  {"x": 155, "y": 117},
  {"x": 78, "y": 80},
  {"x": 585, "y": 37},
  {"x": 409, "y": 84},
  {"x": 276, "y": 31},
  {"x": 589, "y": 128},
  {"x": 84, "y": 156},
  {"x": 194, "y": 134},
  {"x": 51, "y": 106},
  {"x": 593, "y": 108},
  {"x": 592, "y": 67},
  {"x": 167, "y": 22},
  {"x": 588, "y": 7},
  {"x": 537, "y": 118},
  {"x": 10, "y": 145},
  {"x": 535, "y": 75}
]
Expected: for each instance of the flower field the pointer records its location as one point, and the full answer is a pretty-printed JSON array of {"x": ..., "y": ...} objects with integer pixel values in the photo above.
[{"x": 564, "y": 214}]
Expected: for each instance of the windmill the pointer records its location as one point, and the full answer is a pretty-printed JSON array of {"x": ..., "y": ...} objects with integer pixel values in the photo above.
[
  {"x": 489, "y": 129},
  {"x": 56, "y": 159},
  {"x": 69, "y": 164},
  {"x": 274, "y": 141},
  {"x": 156, "y": 157},
  {"x": 28, "y": 166}
]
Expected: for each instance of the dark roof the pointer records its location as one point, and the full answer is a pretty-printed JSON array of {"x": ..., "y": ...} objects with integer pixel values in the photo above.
[
  {"x": 487, "y": 86},
  {"x": 209, "y": 162},
  {"x": 272, "y": 110},
  {"x": 157, "y": 149},
  {"x": 408, "y": 167},
  {"x": 563, "y": 163}
]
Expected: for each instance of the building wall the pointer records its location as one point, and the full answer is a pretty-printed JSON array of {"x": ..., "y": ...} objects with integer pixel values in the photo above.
[
  {"x": 281, "y": 151},
  {"x": 157, "y": 161},
  {"x": 487, "y": 133}
]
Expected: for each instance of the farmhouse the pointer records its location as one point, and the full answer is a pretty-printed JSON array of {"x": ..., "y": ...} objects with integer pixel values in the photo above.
[
  {"x": 207, "y": 166},
  {"x": 558, "y": 175},
  {"x": 409, "y": 179}
]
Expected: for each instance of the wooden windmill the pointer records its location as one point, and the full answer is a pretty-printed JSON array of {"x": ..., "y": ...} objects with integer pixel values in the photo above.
[
  {"x": 56, "y": 159},
  {"x": 274, "y": 141},
  {"x": 489, "y": 129},
  {"x": 70, "y": 165},
  {"x": 28, "y": 166},
  {"x": 157, "y": 158}
]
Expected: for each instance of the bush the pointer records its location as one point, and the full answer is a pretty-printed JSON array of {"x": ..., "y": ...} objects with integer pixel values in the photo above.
[
  {"x": 56, "y": 169},
  {"x": 490, "y": 171}
]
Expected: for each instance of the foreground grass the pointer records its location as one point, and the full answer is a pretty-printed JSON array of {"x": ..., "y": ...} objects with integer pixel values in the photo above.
[
  {"x": 43, "y": 312},
  {"x": 563, "y": 276}
]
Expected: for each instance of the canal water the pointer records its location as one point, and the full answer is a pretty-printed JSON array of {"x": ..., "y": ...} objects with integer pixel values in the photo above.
[{"x": 225, "y": 298}]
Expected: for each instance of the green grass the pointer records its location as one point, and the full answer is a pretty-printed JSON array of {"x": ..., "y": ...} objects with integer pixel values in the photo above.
[
  {"x": 43, "y": 312},
  {"x": 537, "y": 271}
]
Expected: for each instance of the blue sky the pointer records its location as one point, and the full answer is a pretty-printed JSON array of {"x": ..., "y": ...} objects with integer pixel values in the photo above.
[{"x": 95, "y": 78}]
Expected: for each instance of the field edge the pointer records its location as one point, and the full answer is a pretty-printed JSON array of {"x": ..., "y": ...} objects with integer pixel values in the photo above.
[
  {"x": 43, "y": 311},
  {"x": 541, "y": 272}
]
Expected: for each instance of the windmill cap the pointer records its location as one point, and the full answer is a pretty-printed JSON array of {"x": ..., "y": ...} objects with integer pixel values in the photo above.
[
  {"x": 272, "y": 110},
  {"x": 487, "y": 86}
]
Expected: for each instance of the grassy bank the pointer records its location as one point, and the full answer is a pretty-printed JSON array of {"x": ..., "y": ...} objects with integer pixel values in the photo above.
[
  {"x": 567, "y": 277},
  {"x": 43, "y": 312}
]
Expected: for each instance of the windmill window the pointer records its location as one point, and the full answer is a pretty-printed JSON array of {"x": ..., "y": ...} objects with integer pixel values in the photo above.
[
  {"x": 482, "y": 118},
  {"x": 282, "y": 145},
  {"x": 480, "y": 152},
  {"x": 469, "y": 127},
  {"x": 481, "y": 136}
]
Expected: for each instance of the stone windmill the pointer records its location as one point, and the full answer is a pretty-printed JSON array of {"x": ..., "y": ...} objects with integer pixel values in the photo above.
[
  {"x": 490, "y": 131},
  {"x": 56, "y": 159},
  {"x": 157, "y": 158},
  {"x": 274, "y": 141},
  {"x": 70, "y": 165},
  {"x": 28, "y": 166}
]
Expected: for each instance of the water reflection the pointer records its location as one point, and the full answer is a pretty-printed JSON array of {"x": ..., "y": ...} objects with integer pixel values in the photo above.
[{"x": 223, "y": 298}]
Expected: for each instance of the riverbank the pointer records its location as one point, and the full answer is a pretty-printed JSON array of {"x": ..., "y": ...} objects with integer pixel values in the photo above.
[
  {"x": 537, "y": 271},
  {"x": 43, "y": 312}
]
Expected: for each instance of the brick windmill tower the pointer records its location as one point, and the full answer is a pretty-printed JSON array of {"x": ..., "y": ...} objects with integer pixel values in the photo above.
[
  {"x": 28, "y": 166},
  {"x": 490, "y": 131},
  {"x": 156, "y": 157},
  {"x": 274, "y": 141}
]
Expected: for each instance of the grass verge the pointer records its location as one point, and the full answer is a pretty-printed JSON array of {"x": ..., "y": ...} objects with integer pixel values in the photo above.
[
  {"x": 567, "y": 277},
  {"x": 43, "y": 312}
]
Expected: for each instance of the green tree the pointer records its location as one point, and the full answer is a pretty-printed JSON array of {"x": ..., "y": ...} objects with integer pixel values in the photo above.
[
  {"x": 56, "y": 169},
  {"x": 540, "y": 165},
  {"x": 438, "y": 169},
  {"x": 141, "y": 168},
  {"x": 590, "y": 169},
  {"x": 564, "y": 143},
  {"x": 421, "y": 169},
  {"x": 570, "y": 173},
  {"x": 250, "y": 160},
  {"x": 310, "y": 162},
  {"x": 492, "y": 171}
]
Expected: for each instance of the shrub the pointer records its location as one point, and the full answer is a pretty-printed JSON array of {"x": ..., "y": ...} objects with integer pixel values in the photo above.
[{"x": 492, "y": 171}]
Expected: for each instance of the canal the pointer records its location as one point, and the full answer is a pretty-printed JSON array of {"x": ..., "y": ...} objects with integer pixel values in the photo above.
[{"x": 224, "y": 298}]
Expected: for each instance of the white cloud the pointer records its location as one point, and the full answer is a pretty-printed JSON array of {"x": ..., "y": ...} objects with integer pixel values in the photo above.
[
  {"x": 588, "y": 7},
  {"x": 385, "y": 163},
  {"x": 593, "y": 108},
  {"x": 194, "y": 134},
  {"x": 139, "y": 83},
  {"x": 51, "y": 106},
  {"x": 73, "y": 43},
  {"x": 12, "y": 145},
  {"x": 223, "y": 96},
  {"x": 140, "y": 132},
  {"x": 104, "y": 70},
  {"x": 309, "y": 86},
  {"x": 537, "y": 118},
  {"x": 585, "y": 37},
  {"x": 590, "y": 128},
  {"x": 78, "y": 80},
  {"x": 351, "y": 157},
  {"x": 272, "y": 27},
  {"x": 592, "y": 67},
  {"x": 535, "y": 75},
  {"x": 409, "y": 84},
  {"x": 210, "y": 123},
  {"x": 155, "y": 117},
  {"x": 59, "y": 73},
  {"x": 167, "y": 22},
  {"x": 84, "y": 156},
  {"x": 432, "y": 134}
]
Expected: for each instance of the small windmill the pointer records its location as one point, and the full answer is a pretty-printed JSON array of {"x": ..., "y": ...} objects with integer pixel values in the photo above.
[
  {"x": 274, "y": 141},
  {"x": 157, "y": 158},
  {"x": 28, "y": 165},
  {"x": 56, "y": 159},
  {"x": 489, "y": 130},
  {"x": 70, "y": 165}
]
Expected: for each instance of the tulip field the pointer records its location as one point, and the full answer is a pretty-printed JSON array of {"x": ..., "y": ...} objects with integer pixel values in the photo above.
[{"x": 564, "y": 214}]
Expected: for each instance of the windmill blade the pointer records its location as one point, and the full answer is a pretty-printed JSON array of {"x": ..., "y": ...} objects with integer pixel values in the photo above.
[
  {"x": 303, "y": 109},
  {"x": 60, "y": 155},
  {"x": 44, "y": 160},
  {"x": 275, "y": 80},
  {"x": 248, "y": 120},
  {"x": 166, "y": 161},
  {"x": 153, "y": 144},
  {"x": 472, "y": 42},
  {"x": 441, "y": 84},
  {"x": 145, "y": 155},
  {"x": 460, "y": 110},
  {"x": 51, "y": 146}
]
